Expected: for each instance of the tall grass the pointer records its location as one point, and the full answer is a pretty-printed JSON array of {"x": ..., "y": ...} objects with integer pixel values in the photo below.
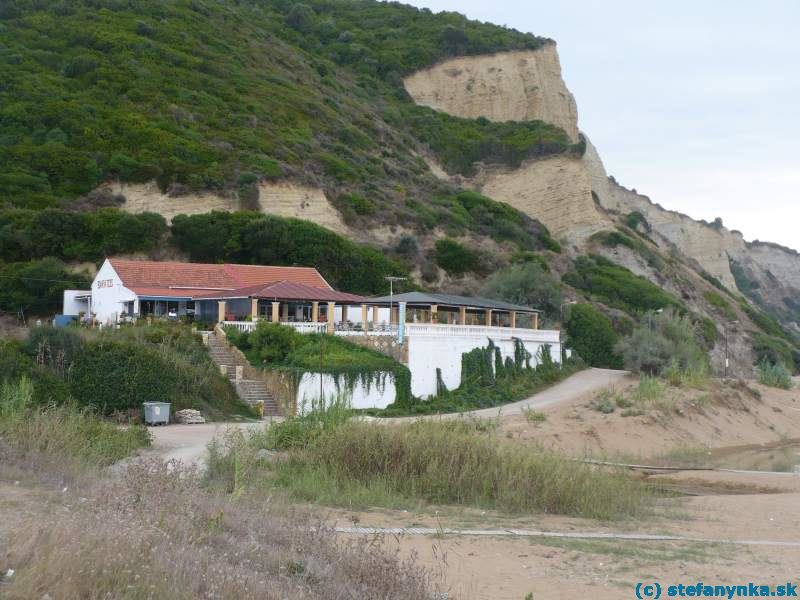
[
  {"x": 774, "y": 375},
  {"x": 62, "y": 434},
  {"x": 449, "y": 462}
]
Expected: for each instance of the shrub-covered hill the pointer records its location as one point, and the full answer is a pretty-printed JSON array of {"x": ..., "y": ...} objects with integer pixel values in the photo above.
[{"x": 211, "y": 95}]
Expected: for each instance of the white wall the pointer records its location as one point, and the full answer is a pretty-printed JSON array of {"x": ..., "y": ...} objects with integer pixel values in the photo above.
[
  {"x": 108, "y": 294},
  {"x": 363, "y": 396},
  {"x": 427, "y": 352},
  {"x": 72, "y": 305}
]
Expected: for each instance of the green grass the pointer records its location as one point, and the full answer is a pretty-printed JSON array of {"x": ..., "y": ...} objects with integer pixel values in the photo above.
[
  {"x": 720, "y": 303},
  {"x": 67, "y": 433},
  {"x": 455, "y": 462}
]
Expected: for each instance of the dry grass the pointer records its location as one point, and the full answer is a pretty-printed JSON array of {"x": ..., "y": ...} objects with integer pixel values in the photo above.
[
  {"x": 156, "y": 533},
  {"x": 451, "y": 462}
]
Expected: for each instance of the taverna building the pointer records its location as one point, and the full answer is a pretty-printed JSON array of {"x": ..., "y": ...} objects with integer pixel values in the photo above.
[{"x": 425, "y": 331}]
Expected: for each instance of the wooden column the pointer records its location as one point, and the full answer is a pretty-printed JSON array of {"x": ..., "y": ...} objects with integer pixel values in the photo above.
[
  {"x": 276, "y": 312},
  {"x": 364, "y": 324},
  {"x": 315, "y": 312},
  {"x": 254, "y": 309},
  {"x": 344, "y": 313},
  {"x": 285, "y": 312},
  {"x": 462, "y": 315},
  {"x": 513, "y": 318},
  {"x": 434, "y": 313},
  {"x": 393, "y": 318},
  {"x": 376, "y": 315},
  {"x": 331, "y": 316},
  {"x": 488, "y": 317},
  {"x": 221, "y": 311},
  {"x": 536, "y": 320}
]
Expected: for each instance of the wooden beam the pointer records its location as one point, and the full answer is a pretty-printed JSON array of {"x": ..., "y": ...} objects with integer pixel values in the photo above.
[
  {"x": 276, "y": 307},
  {"x": 434, "y": 313},
  {"x": 344, "y": 313},
  {"x": 462, "y": 315},
  {"x": 331, "y": 316},
  {"x": 254, "y": 309},
  {"x": 488, "y": 317},
  {"x": 315, "y": 312},
  {"x": 536, "y": 320},
  {"x": 220, "y": 311},
  {"x": 513, "y": 318},
  {"x": 376, "y": 315},
  {"x": 364, "y": 323}
]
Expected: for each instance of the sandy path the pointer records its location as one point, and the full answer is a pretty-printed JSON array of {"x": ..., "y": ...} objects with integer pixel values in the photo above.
[
  {"x": 574, "y": 387},
  {"x": 189, "y": 443}
]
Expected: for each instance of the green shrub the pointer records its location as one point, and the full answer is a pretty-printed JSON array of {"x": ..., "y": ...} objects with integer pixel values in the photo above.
[
  {"x": 616, "y": 286},
  {"x": 774, "y": 351},
  {"x": 116, "y": 370},
  {"x": 455, "y": 258},
  {"x": 612, "y": 239},
  {"x": 37, "y": 287},
  {"x": 592, "y": 336},
  {"x": 661, "y": 341},
  {"x": 774, "y": 375},
  {"x": 526, "y": 284},
  {"x": 253, "y": 238}
]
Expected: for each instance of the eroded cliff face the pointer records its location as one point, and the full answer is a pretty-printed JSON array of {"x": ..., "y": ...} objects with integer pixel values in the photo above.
[
  {"x": 574, "y": 197},
  {"x": 557, "y": 191},
  {"x": 524, "y": 85},
  {"x": 281, "y": 199}
]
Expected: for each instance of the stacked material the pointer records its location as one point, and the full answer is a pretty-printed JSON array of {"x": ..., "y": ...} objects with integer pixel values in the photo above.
[{"x": 189, "y": 416}]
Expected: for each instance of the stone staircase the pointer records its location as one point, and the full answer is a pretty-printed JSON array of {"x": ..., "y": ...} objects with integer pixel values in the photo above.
[{"x": 252, "y": 391}]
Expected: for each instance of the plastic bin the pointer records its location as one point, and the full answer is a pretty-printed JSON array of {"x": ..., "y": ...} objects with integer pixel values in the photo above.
[{"x": 156, "y": 413}]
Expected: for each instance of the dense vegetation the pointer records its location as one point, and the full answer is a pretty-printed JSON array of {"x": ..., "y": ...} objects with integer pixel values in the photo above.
[
  {"x": 666, "y": 344},
  {"x": 113, "y": 372},
  {"x": 616, "y": 286},
  {"x": 275, "y": 346},
  {"x": 528, "y": 284},
  {"x": 210, "y": 95},
  {"x": 78, "y": 236},
  {"x": 253, "y": 238},
  {"x": 591, "y": 335},
  {"x": 37, "y": 287}
]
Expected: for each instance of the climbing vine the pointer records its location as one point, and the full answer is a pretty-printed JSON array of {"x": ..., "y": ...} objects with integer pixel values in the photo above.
[{"x": 279, "y": 348}]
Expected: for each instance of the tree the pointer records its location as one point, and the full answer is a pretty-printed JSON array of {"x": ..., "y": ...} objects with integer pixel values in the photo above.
[
  {"x": 300, "y": 17},
  {"x": 527, "y": 284},
  {"x": 592, "y": 336}
]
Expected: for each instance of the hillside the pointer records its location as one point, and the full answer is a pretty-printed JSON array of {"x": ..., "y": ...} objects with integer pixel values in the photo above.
[{"x": 420, "y": 143}]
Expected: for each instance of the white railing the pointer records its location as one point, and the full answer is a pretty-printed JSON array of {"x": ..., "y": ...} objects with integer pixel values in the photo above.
[
  {"x": 526, "y": 335},
  {"x": 548, "y": 336}
]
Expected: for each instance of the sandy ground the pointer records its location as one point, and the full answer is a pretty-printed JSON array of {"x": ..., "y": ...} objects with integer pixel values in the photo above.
[
  {"x": 189, "y": 443},
  {"x": 731, "y": 506},
  {"x": 720, "y": 417}
]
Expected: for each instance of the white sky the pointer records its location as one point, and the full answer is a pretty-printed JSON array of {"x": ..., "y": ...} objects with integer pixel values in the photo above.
[{"x": 693, "y": 103}]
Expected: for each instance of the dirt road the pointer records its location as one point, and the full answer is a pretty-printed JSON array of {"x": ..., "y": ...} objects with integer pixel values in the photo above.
[{"x": 189, "y": 443}]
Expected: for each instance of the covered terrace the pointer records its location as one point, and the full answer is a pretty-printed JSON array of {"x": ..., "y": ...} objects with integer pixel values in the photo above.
[{"x": 449, "y": 309}]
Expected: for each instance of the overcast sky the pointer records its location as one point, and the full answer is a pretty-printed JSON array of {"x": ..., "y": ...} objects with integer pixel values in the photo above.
[{"x": 693, "y": 103}]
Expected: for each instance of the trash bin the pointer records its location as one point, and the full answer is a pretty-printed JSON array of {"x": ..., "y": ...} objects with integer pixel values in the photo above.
[{"x": 156, "y": 413}]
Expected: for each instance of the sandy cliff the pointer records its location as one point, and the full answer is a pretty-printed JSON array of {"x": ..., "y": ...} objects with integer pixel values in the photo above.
[
  {"x": 282, "y": 199},
  {"x": 508, "y": 86}
]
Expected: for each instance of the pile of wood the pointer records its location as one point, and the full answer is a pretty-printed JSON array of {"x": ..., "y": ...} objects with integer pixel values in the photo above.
[{"x": 189, "y": 416}]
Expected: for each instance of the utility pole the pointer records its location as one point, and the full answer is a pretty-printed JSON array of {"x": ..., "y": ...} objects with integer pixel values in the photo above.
[
  {"x": 727, "y": 360},
  {"x": 391, "y": 279}
]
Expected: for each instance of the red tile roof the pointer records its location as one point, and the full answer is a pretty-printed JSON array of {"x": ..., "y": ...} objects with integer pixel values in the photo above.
[
  {"x": 176, "y": 278},
  {"x": 286, "y": 290}
]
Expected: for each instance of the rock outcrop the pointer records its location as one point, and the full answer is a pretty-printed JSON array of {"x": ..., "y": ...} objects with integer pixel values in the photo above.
[
  {"x": 282, "y": 199},
  {"x": 524, "y": 85},
  {"x": 556, "y": 190}
]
